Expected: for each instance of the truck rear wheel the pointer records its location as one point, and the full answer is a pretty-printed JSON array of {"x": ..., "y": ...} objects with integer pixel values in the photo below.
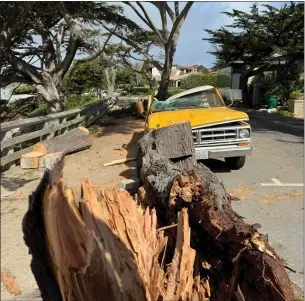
[{"x": 236, "y": 162}]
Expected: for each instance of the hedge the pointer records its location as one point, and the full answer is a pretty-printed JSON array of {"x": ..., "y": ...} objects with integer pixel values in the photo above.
[
  {"x": 223, "y": 80},
  {"x": 173, "y": 91},
  {"x": 197, "y": 80}
]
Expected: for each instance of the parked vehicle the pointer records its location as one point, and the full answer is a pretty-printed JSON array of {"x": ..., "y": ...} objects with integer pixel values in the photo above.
[{"x": 218, "y": 132}]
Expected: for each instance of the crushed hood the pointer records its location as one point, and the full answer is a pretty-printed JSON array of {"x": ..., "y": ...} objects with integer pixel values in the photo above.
[{"x": 197, "y": 117}]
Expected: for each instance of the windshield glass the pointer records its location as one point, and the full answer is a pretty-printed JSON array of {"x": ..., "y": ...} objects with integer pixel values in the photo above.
[{"x": 203, "y": 99}]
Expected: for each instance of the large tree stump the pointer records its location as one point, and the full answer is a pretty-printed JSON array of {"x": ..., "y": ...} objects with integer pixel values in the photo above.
[
  {"x": 70, "y": 142},
  {"x": 232, "y": 253},
  {"x": 108, "y": 248}
]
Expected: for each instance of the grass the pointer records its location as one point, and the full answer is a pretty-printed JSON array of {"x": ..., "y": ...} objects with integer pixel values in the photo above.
[{"x": 285, "y": 113}]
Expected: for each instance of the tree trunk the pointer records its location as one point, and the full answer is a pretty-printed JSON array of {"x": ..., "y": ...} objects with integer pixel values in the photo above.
[
  {"x": 72, "y": 141},
  {"x": 50, "y": 91},
  {"x": 230, "y": 251},
  {"x": 190, "y": 246},
  {"x": 166, "y": 72},
  {"x": 110, "y": 77}
]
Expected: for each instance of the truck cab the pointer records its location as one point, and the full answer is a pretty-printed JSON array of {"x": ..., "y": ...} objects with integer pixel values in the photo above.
[{"x": 218, "y": 131}]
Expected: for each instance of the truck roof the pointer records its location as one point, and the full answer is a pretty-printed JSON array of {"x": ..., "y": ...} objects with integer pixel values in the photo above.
[{"x": 191, "y": 91}]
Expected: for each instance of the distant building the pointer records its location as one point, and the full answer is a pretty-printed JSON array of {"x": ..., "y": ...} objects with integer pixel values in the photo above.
[{"x": 177, "y": 74}]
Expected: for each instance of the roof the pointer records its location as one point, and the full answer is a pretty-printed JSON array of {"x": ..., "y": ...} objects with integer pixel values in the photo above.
[
  {"x": 190, "y": 91},
  {"x": 186, "y": 67}
]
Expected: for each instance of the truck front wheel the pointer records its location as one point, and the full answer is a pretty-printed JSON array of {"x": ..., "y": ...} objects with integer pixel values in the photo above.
[{"x": 236, "y": 162}]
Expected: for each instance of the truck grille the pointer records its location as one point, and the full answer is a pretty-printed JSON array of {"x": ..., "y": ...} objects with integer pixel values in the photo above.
[{"x": 217, "y": 136}]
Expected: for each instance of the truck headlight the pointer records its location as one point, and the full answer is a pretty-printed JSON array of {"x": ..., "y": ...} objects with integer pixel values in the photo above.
[{"x": 244, "y": 133}]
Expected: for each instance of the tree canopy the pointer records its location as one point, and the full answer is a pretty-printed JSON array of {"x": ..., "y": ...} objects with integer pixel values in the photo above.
[
  {"x": 259, "y": 38},
  {"x": 39, "y": 41}
]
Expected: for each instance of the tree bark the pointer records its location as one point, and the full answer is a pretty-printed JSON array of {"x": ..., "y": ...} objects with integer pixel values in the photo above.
[
  {"x": 72, "y": 141},
  {"x": 231, "y": 251}
]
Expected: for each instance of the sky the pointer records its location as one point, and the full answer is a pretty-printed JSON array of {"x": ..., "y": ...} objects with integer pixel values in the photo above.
[{"x": 191, "y": 49}]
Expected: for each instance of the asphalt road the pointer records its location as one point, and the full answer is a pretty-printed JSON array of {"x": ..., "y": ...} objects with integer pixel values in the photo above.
[{"x": 278, "y": 154}]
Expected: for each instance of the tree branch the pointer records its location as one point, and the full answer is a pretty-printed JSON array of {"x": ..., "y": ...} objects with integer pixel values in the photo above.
[
  {"x": 23, "y": 67},
  {"x": 179, "y": 21},
  {"x": 137, "y": 47},
  {"x": 150, "y": 23},
  {"x": 60, "y": 33},
  {"x": 87, "y": 60},
  {"x": 176, "y": 3}
]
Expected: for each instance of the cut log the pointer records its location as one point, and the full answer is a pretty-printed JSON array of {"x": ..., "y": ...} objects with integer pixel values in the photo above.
[
  {"x": 70, "y": 142},
  {"x": 49, "y": 160},
  {"x": 30, "y": 160},
  {"x": 235, "y": 251}
]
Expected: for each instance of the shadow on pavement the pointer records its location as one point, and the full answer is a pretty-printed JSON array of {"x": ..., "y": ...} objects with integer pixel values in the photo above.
[
  {"x": 12, "y": 183},
  {"x": 265, "y": 122},
  {"x": 216, "y": 166}
]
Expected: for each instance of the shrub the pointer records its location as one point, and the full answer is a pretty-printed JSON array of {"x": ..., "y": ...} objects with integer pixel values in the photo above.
[
  {"x": 173, "y": 91},
  {"x": 223, "y": 80},
  {"x": 40, "y": 111},
  {"x": 78, "y": 101},
  {"x": 24, "y": 89},
  {"x": 197, "y": 80},
  {"x": 140, "y": 90},
  {"x": 296, "y": 95}
]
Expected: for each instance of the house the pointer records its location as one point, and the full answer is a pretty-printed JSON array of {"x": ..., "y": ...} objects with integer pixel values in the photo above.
[{"x": 177, "y": 74}]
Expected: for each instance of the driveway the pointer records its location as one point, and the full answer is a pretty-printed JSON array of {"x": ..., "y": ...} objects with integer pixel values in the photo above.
[{"x": 277, "y": 154}]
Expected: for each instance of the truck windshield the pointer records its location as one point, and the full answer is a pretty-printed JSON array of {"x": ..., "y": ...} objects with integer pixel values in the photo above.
[{"x": 203, "y": 99}]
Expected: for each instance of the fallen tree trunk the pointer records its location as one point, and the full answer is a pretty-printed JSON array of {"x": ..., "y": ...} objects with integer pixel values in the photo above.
[
  {"x": 234, "y": 251},
  {"x": 70, "y": 142},
  {"x": 190, "y": 245},
  {"x": 107, "y": 248}
]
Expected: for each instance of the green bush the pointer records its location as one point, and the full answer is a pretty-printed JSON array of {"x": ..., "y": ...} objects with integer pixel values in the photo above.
[
  {"x": 78, "y": 101},
  {"x": 296, "y": 95},
  {"x": 223, "y": 80},
  {"x": 24, "y": 89},
  {"x": 173, "y": 91},
  {"x": 197, "y": 80},
  {"x": 40, "y": 111},
  {"x": 139, "y": 90}
]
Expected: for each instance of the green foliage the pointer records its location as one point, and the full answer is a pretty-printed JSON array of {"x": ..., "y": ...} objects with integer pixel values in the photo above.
[
  {"x": 197, "y": 80},
  {"x": 173, "y": 91},
  {"x": 87, "y": 76},
  {"x": 40, "y": 111},
  {"x": 282, "y": 88},
  {"x": 24, "y": 89},
  {"x": 139, "y": 90},
  {"x": 79, "y": 101},
  {"x": 286, "y": 114},
  {"x": 223, "y": 80},
  {"x": 125, "y": 77},
  {"x": 296, "y": 95}
]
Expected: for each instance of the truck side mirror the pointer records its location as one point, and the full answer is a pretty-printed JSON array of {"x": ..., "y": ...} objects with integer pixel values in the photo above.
[{"x": 140, "y": 107}]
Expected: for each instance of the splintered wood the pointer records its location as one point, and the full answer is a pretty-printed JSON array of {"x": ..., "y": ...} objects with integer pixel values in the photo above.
[{"x": 109, "y": 247}]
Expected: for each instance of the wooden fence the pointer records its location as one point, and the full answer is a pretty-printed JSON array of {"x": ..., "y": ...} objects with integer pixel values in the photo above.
[{"x": 18, "y": 137}]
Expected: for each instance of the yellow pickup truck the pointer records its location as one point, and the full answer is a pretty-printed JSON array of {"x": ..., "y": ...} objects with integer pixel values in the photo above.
[{"x": 218, "y": 131}]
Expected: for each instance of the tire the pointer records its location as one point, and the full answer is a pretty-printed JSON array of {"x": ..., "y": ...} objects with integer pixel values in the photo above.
[{"x": 236, "y": 162}]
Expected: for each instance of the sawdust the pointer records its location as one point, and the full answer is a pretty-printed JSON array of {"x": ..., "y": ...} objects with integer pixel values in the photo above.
[
  {"x": 278, "y": 197},
  {"x": 123, "y": 153},
  {"x": 241, "y": 193},
  {"x": 10, "y": 283}
]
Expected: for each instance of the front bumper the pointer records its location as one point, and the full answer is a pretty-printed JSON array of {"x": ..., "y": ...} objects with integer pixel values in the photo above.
[{"x": 218, "y": 152}]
